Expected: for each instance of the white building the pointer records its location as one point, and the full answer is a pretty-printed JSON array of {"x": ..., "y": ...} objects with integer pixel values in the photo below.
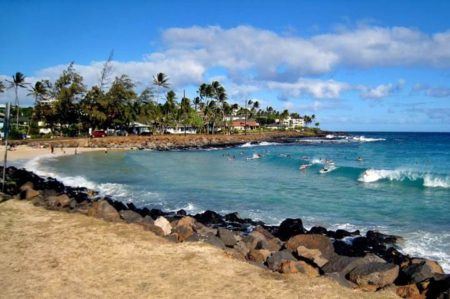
[
  {"x": 180, "y": 130},
  {"x": 292, "y": 123}
]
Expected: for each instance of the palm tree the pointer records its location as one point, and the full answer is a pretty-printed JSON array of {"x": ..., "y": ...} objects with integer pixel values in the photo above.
[
  {"x": 18, "y": 80},
  {"x": 39, "y": 91},
  {"x": 161, "y": 81}
]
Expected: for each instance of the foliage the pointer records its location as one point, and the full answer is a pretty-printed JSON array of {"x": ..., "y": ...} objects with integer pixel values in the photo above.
[{"x": 68, "y": 108}]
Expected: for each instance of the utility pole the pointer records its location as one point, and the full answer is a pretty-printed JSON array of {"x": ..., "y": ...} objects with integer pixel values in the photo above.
[{"x": 5, "y": 131}]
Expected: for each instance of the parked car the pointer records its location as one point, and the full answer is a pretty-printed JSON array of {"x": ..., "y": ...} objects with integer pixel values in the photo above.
[{"x": 98, "y": 134}]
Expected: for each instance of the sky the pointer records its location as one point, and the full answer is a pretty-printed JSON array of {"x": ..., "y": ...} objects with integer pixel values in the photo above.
[{"x": 356, "y": 65}]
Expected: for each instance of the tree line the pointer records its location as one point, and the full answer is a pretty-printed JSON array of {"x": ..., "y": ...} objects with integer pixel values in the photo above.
[{"x": 69, "y": 108}]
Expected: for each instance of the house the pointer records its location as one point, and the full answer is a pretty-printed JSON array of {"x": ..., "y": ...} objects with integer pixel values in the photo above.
[
  {"x": 292, "y": 123},
  {"x": 242, "y": 124},
  {"x": 139, "y": 128}
]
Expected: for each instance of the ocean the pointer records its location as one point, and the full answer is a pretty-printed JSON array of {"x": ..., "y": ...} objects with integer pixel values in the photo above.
[{"x": 397, "y": 183}]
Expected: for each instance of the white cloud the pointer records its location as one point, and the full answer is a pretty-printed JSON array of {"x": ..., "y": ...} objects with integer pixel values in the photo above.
[
  {"x": 382, "y": 90},
  {"x": 252, "y": 60},
  {"x": 329, "y": 89}
]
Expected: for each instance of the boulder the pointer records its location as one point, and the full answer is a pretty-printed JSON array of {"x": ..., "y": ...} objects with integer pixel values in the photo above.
[
  {"x": 186, "y": 221},
  {"x": 432, "y": 265},
  {"x": 318, "y": 230},
  {"x": 102, "y": 209},
  {"x": 164, "y": 224},
  {"x": 436, "y": 287},
  {"x": 420, "y": 269},
  {"x": 313, "y": 255},
  {"x": 344, "y": 264},
  {"x": 319, "y": 242},
  {"x": 181, "y": 212},
  {"x": 183, "y": 232},
  {"x": 258, "y": 255},
  {"x": 60, "y": 201},
  {"x": 213, "y": 240},
  {"x": 73, "y": 204},
  {"x": 193, "y": 238},
  {"x": 130, "y": 216},
  {"x": 289, "y": 266},
  {"x": 409, "y": 291},
  {"x": 153, "y": 228},
  {"x": 341, "y": 233},
  {"x": 290, "y": 227},
  {"x": 209, "y": 217},
  {"x": 27, "y": 191},
  {"x": 258, "y": 240},
  {"x": 374, "y": 276},
  {"x": 203, "y": 229},
  {"x": 227, "y": 237},
  {"x": 343, "y": 248},
  {"x": 241, "y": 248},
  {"x": 276, "y": 258},
  {"x": 234, "y": 217},
  {"x": 377, "y": 237}
]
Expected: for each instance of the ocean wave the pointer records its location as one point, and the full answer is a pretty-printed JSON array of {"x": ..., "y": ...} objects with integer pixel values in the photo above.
[
  {"x": 340, "y": 139},
  {"x": 365, "y": 139},
  {"x": 263, "y": 143},
  {"x": 428, "y": 180},
  {"x": 428, "y": 245},
  {"x": 118, "y": 191}
]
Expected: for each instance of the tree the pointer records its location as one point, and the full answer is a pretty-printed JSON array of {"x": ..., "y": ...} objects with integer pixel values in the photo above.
[
  {"x": 93, "y": 107},
  {"x": 169, "y": 110},
  {"x": 317, "y": 124},
  {"x": 68, "y": 91},
  {"x": 185, "y": 109},
  {"x": 2, "y": 87},
  {"x": 106, "y": 72},
  {"x": 161, "y": 81},
  {"x": 18, "y": 81},
  {"x": 249, "y": 110},
  {"x": 39, "y": 91},
  {"x": 307, "y": 119},
  {"x": 119, "y": 103}
]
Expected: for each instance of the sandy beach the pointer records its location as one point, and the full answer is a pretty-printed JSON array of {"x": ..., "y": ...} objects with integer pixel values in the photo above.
[
  {"x": 25, "y": 152},
  {"x": 49, "y": 254}
]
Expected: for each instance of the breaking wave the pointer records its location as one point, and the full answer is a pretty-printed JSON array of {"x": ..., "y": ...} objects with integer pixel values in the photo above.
[
  {"x": 118, "y": 191},
  {"x": 400, "y": 175},
  {"x": 264, "y": 143}
]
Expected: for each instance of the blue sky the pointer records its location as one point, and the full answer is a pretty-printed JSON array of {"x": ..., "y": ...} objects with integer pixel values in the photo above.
[{"x": 383, "y": 65}]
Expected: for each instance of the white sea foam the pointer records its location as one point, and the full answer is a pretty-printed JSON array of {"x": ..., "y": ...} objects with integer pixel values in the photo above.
[
  {"x": 264, "y": 143},
  {"x": 429, "y": 245},
  {"x": 435, "y": 182},
  {"x": 365, "y": 139},
  {"x": 431, "y": 181},
  {"x": 118, "y": 191},
  {"x": 190, "y": 208},
  {"x": 340, "y": 139}
]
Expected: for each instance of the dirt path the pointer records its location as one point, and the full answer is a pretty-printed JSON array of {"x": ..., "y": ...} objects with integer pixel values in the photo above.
[{"x": 46, "y": 254}]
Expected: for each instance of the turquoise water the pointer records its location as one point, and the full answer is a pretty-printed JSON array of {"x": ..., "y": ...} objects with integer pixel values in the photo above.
[{"x": 402, "y": 185}]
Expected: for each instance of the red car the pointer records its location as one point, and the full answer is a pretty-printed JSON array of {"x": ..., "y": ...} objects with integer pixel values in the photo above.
[{"x": 98, "y": 134}]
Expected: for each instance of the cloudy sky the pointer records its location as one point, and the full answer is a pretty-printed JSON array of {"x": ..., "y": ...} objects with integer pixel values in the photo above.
[{"x": 383, "y": 65}]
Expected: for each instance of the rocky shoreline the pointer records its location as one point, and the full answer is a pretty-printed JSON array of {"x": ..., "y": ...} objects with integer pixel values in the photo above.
[
  {"x": 173, "y": 142},
  {"x": 369, "y": 262}
]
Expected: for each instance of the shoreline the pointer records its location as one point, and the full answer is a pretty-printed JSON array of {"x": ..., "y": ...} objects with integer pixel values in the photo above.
[{"x": 273, "y": 247}]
